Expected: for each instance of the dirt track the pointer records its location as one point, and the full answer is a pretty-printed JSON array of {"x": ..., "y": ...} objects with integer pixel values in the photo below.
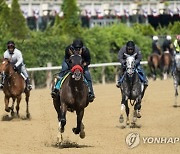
[{"x": 101, "y": 119}]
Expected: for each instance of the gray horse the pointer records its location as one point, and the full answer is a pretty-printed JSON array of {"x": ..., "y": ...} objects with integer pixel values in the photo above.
[
  {"x": 176, "y": 77},
  {"x": 131, "y": 89}
]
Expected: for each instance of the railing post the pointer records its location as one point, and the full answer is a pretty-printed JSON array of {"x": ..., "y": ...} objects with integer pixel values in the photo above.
[
  {"x": 32, "y": 80},
  {"x": 49, "y": 76},
  {"x": 116, "y": 75},
  {"x": 103, "y": 75}
]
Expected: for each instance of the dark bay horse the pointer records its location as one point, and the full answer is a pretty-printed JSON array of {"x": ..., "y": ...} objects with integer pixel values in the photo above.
[
  {"x": 154, "y": 64},
  {"x": 131, "y": 89},
  {"x": 165, "y": 64},
  {"x": 14, "y": 86},
  {"x": 176, "y": 77},
  {"x": 73, "y": 96}
]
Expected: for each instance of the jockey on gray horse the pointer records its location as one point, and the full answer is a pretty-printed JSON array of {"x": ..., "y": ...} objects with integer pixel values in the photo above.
[
  {"x": 76, "y": 47},
  {"x": 15, "y": 57},
  {"x": 130, "y": 48}
]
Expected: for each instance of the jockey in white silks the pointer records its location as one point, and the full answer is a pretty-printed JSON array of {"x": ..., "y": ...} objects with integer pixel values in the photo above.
[{"x": 15, "y": 57}]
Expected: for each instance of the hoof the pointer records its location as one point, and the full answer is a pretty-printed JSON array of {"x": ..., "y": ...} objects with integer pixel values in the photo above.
[
  {"x": 12, "y": 113},
  {"x": 28, "y": 116},
  {"x": 82, "y": 134},
  {"x": 8, "y": 109},
  {"x": 133, "y": 125},
  {"x": 75, "y": 131},
  {"x": 138, "y": 115},
  {"x": 121, "y": 119}
]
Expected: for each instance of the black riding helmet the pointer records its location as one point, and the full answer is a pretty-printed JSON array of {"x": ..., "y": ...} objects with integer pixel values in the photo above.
[
  {"x": 77, "y": 44},
  {"x": 130, "y": 47},
  {"x": 10, "y": 44}
]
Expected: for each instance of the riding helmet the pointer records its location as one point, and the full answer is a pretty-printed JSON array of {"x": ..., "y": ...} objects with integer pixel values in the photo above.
[
  {"x": 10, "y": 44},
  {"x": 77, "y": 43},
  {"x": 155, "y": 38},
  {"x": 168, "y": 37},
  {"x": 130, "y": 47}
]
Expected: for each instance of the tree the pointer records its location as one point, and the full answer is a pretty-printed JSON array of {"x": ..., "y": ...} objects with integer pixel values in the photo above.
[
  {"x": 71, "y": 21},
  {"x": 4, "y": 15},
  {"x": 18, "y": 26}
]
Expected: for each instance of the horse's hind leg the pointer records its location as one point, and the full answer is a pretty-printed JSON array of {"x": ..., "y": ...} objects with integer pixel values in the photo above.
[
  {"x": 176, "y": 91},
  {"x": 127, "y": 113},
  {"x": 17, "y": 106},
  {"x": 137, "y": 109},
  {"x": 27, "y": 94},
  {"x": 80, "y": 115}
]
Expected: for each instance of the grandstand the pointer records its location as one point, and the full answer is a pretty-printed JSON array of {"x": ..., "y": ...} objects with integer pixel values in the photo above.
[{"x": 106, "y": 12}]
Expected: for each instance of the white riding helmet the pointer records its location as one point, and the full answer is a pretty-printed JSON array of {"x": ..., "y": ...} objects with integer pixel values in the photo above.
[
  {"x": 168, "y": 37},
  {"x": 155, "y": 38}
]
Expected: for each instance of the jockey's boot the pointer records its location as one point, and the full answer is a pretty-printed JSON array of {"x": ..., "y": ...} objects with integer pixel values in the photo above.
[
  {"x": 91, "y": 92},
  {"x": 28, "y": 85},
  {"x": 120, "y": 80},
  {"x": 118, "y": 84},
  {"x": 1, "y": 85},
  {"x": 55, "y": 90},
  {"x": 54, "y": 93}
]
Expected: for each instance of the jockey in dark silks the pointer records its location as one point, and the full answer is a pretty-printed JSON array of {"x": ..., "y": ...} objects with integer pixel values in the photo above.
[
  {"x": 168, "y": 45},
  {"x": 75, "y": 47},
  {"x": 155, "y": 46},
  {"x": 130, "y": 48}
]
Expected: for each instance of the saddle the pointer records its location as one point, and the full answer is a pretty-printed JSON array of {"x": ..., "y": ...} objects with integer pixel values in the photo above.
[
  {"x": 140, "y": 75},
  {"x": 61, "y": 81}
]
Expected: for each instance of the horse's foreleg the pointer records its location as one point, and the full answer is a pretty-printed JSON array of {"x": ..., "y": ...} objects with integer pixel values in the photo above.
[
  {"x": 63, "y": 116},
  {"x": 56, "y": 103},
  {"x": 17, "y": 106},
  {"x": 6, "y": 100},
  {"x": 12, "y": 107},
  {"x": 80, "y": 115},
  {"x": 123, "y": 108},
  {"x": 27, "y": 94}
]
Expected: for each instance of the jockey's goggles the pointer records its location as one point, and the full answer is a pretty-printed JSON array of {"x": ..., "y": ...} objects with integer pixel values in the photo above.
[{"x": 10, "y": 46}]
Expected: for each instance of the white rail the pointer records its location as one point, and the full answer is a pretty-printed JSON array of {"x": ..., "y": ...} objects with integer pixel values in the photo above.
[
  {"x": 92, "y": 65},
  {"x": 49, "y": 68}
]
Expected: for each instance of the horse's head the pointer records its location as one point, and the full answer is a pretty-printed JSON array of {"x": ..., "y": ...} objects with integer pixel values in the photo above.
[
  {"x": 75, "y": 62},
  {"x": 130, "y": 64},
  {"x": 177, "y": 60},
  {"x": 5, "y": 66}
]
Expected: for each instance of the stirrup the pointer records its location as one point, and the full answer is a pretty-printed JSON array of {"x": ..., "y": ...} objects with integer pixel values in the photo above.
[
  {"x": 29, "y": 87},
  {"x": 91, "y": 97},
  {"x": 1, "y": 86},
  {"x": 54, "y": 93},
  {"x": 118, "y": 85}
]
